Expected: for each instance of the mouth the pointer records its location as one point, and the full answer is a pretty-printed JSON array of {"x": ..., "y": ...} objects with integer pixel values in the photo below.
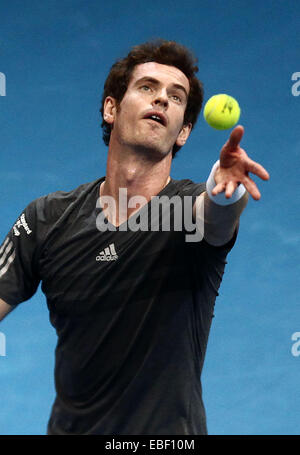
[{"x": 157, "y": 117}]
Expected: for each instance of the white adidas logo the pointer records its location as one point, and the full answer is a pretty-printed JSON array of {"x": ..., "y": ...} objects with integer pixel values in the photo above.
[{"x": 108, "y": 254}]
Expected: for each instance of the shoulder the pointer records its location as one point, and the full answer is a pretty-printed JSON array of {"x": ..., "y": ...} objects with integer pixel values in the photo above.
[
  {"x": 53, "y": 205},
  {"x": 187, "y": 187}
]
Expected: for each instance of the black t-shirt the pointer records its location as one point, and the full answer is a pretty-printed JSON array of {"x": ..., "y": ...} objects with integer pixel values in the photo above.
[{"x": 132, "y": 311}]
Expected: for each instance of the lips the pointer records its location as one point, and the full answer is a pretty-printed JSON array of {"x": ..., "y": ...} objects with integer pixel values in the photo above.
[{"x": 156, "y": 116}]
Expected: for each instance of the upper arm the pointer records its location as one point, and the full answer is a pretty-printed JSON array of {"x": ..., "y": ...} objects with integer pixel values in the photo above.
[
  {"x": 4, "y": 309},
  {"x": 19, "y": 253}
]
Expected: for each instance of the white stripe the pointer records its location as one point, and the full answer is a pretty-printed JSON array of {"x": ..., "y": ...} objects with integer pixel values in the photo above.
[
  {"x": 112, "y": 249},
  {"x": 8, "y": 250},
  {"x": 4, "y": 245},
  {"x": 10, "y": 260}
]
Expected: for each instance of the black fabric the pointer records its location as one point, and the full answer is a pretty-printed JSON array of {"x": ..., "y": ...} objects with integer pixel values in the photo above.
[{"x": 132, "y": 331}]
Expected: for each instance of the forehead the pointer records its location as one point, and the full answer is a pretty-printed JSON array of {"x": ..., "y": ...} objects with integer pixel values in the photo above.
[{"x": 164, "y": 73}]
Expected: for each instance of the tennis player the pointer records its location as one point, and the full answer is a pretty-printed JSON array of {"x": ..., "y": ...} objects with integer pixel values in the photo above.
[{"x": 133, "y": 308}]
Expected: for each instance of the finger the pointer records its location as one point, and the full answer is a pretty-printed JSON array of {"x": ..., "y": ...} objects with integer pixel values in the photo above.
[
  {"x": 230, "y": 188},
  {"x": 257, "y": 169},
  {"x": 219, "y": 188},
  {"x": 235, "y": 137},
  {"x": 251, "y": 188}
]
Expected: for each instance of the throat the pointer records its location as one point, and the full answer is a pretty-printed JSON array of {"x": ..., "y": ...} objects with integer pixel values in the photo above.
[{"x": 127, "y": 201}]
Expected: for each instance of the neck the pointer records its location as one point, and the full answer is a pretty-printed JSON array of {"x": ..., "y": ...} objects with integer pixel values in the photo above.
[{"x": 139, "y": 175}]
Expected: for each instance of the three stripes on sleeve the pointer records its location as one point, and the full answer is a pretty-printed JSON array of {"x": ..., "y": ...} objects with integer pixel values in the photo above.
[{"x": 7, "y": 256}]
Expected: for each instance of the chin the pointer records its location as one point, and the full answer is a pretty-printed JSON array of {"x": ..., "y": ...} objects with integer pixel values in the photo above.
[
  {"x": 154, "y": 150},
  {"x": 156, "y": 147}
]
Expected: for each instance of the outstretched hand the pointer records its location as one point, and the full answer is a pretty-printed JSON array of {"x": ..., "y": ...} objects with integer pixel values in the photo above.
[{"x": 235, "y": 166}]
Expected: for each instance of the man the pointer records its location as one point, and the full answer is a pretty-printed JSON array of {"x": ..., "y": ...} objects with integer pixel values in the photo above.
[{"x": 132, "y": 308}]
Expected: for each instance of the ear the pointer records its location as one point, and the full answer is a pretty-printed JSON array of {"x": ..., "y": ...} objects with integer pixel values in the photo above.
[
  {"x": 183, "y": 135},
  {"x": 109, "y": 109}
]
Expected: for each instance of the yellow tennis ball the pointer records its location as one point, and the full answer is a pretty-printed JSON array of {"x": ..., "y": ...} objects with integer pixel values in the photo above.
[{"x": 222, "y": 111}]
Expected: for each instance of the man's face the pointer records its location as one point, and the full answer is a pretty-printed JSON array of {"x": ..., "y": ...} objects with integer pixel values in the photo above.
[{"x": 154, "y": 89}]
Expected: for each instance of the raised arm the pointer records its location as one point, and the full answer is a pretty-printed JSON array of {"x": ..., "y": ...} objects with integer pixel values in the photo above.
[{"x": 221, "y": 217}]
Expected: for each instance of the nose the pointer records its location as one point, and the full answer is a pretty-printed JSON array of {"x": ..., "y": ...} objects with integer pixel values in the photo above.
[{"x": 161, "y": 99}]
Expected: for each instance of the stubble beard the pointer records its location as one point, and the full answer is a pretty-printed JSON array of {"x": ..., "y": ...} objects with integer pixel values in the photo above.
[
  {"x": 151, "y": 150},
  {"x": 145, "y": 145}
]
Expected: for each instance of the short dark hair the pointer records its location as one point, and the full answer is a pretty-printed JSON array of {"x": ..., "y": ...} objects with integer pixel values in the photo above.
[{"x": 159, "y": 51}]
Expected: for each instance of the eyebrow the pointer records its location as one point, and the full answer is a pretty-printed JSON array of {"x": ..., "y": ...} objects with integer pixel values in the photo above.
[{"x": 156, "y": 82}]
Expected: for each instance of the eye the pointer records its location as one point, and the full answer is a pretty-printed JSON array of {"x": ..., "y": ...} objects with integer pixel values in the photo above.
[
  {"x": 176, "y": 98},
  {"x": 145, "y": 88}
]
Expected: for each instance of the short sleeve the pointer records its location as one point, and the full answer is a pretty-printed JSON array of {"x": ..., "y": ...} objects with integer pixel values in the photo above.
[{"x": 19, "y": 277}]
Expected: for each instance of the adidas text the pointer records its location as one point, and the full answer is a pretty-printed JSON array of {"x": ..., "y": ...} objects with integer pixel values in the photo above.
[{"x": 108, "y": 254}]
